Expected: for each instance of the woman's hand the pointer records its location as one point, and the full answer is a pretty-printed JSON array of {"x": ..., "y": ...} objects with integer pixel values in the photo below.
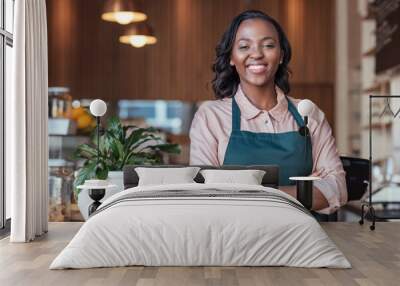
[
  {"x": 318, "y": 173},
  {"x": 319, "y": 200}
]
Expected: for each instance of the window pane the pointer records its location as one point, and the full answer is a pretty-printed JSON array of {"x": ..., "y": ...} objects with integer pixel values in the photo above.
[
  {"x": 2, "y": 203},
  {"x": 8, "y": 89},
  {"x": 1, "y": 15},
  {"x": 9, "y": 15},
  {"x": 170, "y": 115}
]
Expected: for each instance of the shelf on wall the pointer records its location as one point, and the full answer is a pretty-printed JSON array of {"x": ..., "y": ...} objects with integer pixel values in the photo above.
[
  {"x": 381, "y": 126},
  {"x": 381, "y": 85},
  {"x": 369, "y": 52},
  {"x": 70, "y": 135},
  {"x": 373, "y": 88},
  {"x": 379, "y": 161}
]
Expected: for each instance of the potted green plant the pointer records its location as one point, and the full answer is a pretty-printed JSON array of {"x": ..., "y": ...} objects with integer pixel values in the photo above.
[{"x": 119, "y": 146}]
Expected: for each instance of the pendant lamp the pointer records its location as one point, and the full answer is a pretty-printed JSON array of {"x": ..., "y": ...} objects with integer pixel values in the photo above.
[
  {"x": 138, "y": 35},
  {"x": 122, "y": 11}
]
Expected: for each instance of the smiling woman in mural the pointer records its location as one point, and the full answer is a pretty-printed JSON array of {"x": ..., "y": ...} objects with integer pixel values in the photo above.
[{"x": 254, "y": 122}]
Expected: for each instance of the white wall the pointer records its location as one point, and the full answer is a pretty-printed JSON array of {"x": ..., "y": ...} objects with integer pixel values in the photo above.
[
  {"x": 342, "y": 78},
  {"x": 395, "y": 90},
  {"x": 348, "y": 77}
]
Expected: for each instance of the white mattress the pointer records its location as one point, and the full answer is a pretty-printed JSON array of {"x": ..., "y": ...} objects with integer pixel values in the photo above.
[{"x": 191, "y": 231}]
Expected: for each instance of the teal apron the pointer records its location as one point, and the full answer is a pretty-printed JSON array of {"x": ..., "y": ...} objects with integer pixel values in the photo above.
[{"x": 291, "y": 151}]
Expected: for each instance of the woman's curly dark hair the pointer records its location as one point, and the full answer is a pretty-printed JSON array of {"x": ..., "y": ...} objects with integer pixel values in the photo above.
[{"x": 226, "y": 80}]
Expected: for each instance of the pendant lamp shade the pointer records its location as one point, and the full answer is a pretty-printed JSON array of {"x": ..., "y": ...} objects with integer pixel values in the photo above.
[
  {"x": 122, "y": 11},
  {"x": 138, "y": 35}
]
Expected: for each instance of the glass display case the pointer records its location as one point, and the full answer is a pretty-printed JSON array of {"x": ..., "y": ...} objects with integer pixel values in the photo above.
[{"x": 62, "y": 166}]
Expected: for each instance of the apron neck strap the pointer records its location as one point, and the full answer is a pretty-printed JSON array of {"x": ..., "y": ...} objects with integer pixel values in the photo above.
[
  {"x": 235, "y": 115},
  {"x": 295, "y": 113}
]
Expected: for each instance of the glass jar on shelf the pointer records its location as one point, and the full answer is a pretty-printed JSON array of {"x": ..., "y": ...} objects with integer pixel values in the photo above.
[{"x": 60, "y": 102}]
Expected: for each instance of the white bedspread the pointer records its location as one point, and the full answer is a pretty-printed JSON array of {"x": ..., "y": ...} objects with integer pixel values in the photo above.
[{"x": 185, "y": 231}]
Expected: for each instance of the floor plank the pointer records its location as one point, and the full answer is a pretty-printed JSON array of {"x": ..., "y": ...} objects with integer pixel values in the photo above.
[{"x": 374, "y": 255}]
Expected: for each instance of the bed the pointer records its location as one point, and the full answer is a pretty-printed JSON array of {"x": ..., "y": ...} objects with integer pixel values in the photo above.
[{"x": 201, "y": 224}]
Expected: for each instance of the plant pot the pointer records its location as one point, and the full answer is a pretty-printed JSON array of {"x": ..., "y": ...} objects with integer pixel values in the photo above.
[
  {"x": 116, "y": 178},
  {"x": 84, "y": 201}
]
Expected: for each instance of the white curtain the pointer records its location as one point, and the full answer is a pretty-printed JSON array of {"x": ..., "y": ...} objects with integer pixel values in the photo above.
[{"x": 26, "y": 124}]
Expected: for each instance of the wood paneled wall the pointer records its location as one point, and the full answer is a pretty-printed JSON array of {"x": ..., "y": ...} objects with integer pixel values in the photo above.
[{"x": 84, "y": 52}]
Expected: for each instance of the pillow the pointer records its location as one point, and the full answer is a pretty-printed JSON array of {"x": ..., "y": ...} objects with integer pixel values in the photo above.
[
  {"x": 166, "y": 176},
  {"x": 248, "y": 177}
]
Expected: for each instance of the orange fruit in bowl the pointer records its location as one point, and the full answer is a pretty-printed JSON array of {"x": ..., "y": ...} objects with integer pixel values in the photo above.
[
  {"x": 84, "y": 121},
  {"x": 77, "y": 112}
]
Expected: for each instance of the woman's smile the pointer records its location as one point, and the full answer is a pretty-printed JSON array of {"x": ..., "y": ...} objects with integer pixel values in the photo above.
[{"x": 257, "y": 69}]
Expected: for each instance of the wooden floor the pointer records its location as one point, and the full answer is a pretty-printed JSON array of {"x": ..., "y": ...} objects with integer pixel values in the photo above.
[{"x": 375, "y": 257}]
